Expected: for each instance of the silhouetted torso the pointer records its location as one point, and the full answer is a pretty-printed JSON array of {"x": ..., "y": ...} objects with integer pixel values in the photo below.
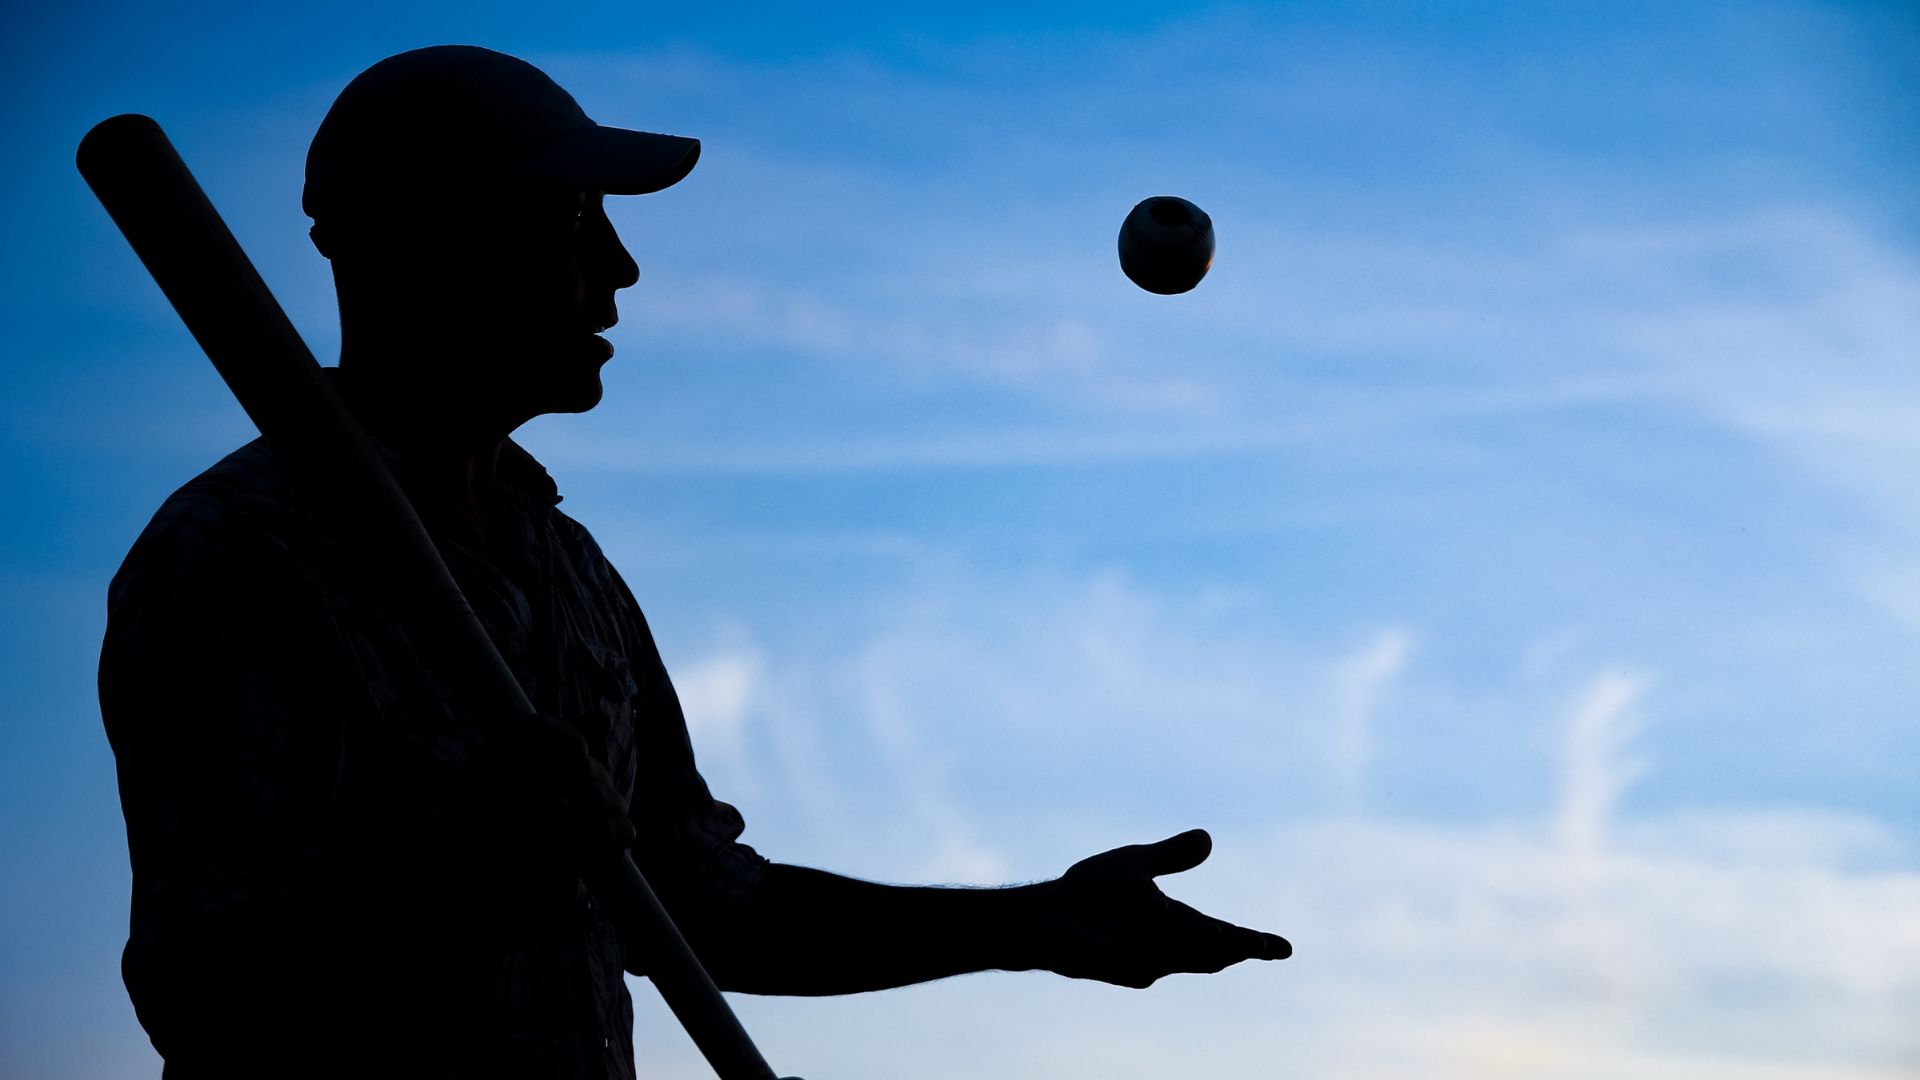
[{"x": 317, "y": 873}]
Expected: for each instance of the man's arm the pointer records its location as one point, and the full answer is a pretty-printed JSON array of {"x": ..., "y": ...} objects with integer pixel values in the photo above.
[
  {"x": 808, "y": 932},
  {"x": 228, "y": 750},
  {"x": 776, "y": 929}
]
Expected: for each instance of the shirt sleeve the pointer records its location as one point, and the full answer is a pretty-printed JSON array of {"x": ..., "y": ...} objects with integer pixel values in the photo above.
[
  {"x": 688, "y": 841},
  {"x": 228, "y": 755}
]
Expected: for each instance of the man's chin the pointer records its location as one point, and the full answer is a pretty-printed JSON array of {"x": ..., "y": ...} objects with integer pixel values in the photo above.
[
  {"x": 565, "y": 380},
  {"x": 572, "y": 377},
  {"x": 580, "y": 388},
  {"x": 582, "y": 400},
  {"x": 576, "y": 395}
]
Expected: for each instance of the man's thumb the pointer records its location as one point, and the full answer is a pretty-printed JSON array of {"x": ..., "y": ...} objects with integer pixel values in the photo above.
[{"x": 1177, "y": 853}]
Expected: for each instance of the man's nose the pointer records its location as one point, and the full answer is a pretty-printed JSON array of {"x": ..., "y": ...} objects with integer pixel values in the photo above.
[{"x": 614, "y": 261}]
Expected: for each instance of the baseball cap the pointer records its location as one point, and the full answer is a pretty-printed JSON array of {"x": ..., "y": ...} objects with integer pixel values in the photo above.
[{"x": 453, "y": 114}]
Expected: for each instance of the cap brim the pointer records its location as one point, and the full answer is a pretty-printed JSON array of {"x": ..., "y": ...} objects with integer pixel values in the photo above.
[{"x": 615, "y": 160}]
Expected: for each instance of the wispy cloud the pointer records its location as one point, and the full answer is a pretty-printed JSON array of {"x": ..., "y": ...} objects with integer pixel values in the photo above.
[
  {"x": 716, "y": 690},
  {"x": 1572, "y": 941},
  {"x": 1595, "y": 768},
  {"x": 1359, "y": 682}
]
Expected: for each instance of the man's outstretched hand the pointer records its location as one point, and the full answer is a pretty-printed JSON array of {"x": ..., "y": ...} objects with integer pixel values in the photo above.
[{"x": 1105, "y": 919}]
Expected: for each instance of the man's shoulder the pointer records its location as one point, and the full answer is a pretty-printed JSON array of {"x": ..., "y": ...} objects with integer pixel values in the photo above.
[
  {"x": 573, "y": 532},
  {"x": 589, "y": 563},
  {"x": 215, "y": 519},
  {"x": 245, "y": 489},
  {"x": 536, "y": 492}
]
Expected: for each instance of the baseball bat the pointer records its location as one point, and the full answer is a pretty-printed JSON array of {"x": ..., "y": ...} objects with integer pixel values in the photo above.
[{"x": 166, "y": 217}]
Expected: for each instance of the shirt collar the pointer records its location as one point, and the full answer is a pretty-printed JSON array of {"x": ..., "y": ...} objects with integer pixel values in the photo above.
[
  {"x": 526, "y": 480},
  {"x": 523, "y": 481}
]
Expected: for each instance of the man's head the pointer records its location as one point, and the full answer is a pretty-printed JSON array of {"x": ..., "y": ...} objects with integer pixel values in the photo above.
[{"x": 458, "y": 193}]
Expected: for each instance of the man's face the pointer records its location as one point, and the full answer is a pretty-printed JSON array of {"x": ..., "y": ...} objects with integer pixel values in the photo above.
[{"x": 522, "y": 284}]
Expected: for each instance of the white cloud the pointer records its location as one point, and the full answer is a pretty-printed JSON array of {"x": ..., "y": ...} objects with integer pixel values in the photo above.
[
  {"x": 1452, "y": 952},
  {"x": 1568, "y": 941},
  {"x": 950, "y": 851},
  {"x": 1465, "y": 943},
  {"x": 1594, "y": 768},
  {"x": 715, "y": 692},
  {"x": 1800, "y": 326},
  {"x": 1359, "y": 681},
  {"x": 1571, "y": 944}
]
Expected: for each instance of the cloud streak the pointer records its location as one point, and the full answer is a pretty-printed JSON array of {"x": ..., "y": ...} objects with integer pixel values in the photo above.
[{"x": 1575, "y": 941}]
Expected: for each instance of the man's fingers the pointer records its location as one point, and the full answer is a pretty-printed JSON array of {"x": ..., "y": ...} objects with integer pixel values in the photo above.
[
  {"x": 1267, "y": 946},
  {"x": 1228, "y": 945},
  {"x": 1243, "y": 943},
  {"x": 1177, "y": 853},
  {"x": 1210, "y": 944}
]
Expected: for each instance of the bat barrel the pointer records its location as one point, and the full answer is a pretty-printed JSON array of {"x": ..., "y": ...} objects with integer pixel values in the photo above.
[{"x": 174, "y": 229}]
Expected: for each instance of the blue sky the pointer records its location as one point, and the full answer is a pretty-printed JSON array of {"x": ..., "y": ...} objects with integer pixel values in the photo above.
[{"x": 1511, "y": 551}]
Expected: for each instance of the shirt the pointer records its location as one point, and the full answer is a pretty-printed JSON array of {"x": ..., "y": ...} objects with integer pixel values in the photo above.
[{"x": 321, "y": 878}]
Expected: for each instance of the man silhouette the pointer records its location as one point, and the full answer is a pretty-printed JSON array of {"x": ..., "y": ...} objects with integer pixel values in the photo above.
[{"x": 337, "y": 871}]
